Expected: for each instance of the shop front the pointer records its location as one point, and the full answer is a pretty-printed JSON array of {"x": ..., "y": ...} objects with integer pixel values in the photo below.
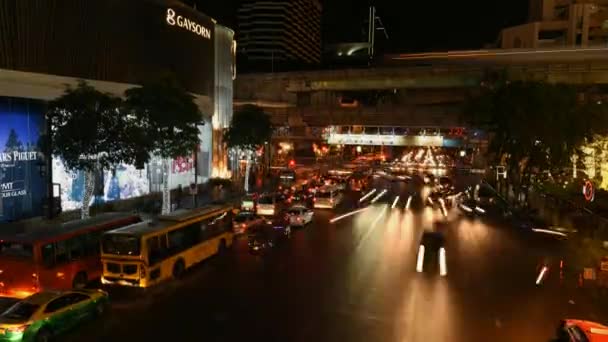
[{"x": 113, "y": 45}]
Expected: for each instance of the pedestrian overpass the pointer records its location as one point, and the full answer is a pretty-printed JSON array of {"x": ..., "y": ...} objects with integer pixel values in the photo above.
[{"x": 401, "y": 136}]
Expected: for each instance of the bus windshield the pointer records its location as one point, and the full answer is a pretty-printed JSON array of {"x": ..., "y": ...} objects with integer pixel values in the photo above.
[
  {"x": 323, "y": 194},
  {"x": 266, "y": 200},
  {"x": 120, "y": 244},
  {"x": 16, "y": 249}
]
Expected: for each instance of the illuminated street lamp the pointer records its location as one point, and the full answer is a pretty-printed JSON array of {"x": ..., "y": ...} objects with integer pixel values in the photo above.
[{"x": 463, "y": 153}]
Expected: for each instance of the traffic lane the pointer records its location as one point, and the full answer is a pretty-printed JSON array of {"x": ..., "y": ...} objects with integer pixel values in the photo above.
[
  {"x": 353, "y": 280},
  {"x": 490, "y": 289}
]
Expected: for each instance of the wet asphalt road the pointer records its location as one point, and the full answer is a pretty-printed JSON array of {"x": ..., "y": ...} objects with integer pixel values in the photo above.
[{"x": 356, "y": 280}]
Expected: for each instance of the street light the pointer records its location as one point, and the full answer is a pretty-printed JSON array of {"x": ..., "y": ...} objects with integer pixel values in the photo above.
[{"x": 463, "y": 153}]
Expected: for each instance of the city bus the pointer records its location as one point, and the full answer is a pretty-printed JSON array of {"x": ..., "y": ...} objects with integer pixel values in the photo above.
[
  {"x": 60, "y": 256},
  {"x": 147, "y": 253}
]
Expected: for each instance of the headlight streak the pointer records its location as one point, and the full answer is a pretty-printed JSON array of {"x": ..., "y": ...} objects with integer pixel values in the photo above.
[
  {"x": 420, "y": 259},
  {"x": 443, "y": 268},
  {"x": 480, "y": 210},
  {"x": 367, "y": 195},
  {"x": 372, "y": 227},
  {"x": 409, "y": 201},
  {"x": 382, "y": 193},
  {"x": 548, "y": 231},
  {"x": 338, "y": 218},
  {"x": 466, "y": 208},
  {"x": 539, "y": 279},
  {"x": 395, "y": 202},
  {"x": 444, "y": 211}
]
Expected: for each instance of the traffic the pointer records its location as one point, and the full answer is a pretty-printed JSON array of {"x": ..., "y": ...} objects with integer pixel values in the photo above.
[{"x": 75, "y": 267}]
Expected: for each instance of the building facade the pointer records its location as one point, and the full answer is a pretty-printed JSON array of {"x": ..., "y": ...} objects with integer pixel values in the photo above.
[
  {"x": 278, "y": 35},
  {"x": 568, "y": 23},
  {"x": 114, "y": 45}
]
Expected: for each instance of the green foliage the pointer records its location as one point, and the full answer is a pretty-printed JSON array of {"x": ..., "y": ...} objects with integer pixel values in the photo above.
[
  {"x": 250, "y": 128},
  {"x": 537, "y": 123},
  {"x": 166, "y": 116},
  {"x": 87, "y": 129}
]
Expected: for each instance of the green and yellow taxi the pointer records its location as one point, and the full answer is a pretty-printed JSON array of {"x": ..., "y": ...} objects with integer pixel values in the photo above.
[{"x": 44, "y": 315}]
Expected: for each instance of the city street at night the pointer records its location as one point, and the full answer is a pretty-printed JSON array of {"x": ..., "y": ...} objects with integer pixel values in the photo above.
[{"x": 356, "y": 280}]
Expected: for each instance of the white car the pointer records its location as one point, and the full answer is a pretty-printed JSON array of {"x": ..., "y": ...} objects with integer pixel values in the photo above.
[
  {"x": 300, "y": 215},
  {"x": 245, "y": 220}
]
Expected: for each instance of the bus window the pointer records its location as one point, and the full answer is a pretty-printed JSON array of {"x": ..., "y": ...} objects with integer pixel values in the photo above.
[
  {"x": 91, "y": 243},
  {"x": 61, "y": 252},
  {"x": 183, "y": 238},
  {"x": 76, "y": 247},
  {"x": 120, "y": 244},
  {"x": 14, "y": 249},
  {"x": 156, "y": 250},
  {"x": 48, "y": 255}
]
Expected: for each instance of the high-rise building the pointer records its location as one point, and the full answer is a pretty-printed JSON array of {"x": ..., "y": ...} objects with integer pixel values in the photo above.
[
  {"x": 279, "y": 35},
  {"x": 567, "y": 23}
]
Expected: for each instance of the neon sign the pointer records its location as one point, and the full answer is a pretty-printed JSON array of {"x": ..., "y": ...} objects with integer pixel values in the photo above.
[{"x": 177, "y": 20}]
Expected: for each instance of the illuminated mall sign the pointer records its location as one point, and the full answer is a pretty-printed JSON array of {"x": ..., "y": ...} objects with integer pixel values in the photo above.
[
  {"x": 173, "y": 19},
  {"x": 387, "y": 140}
]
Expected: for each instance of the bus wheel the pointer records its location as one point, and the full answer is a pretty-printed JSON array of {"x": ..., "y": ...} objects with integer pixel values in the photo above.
[
  {"x": 80, "y": 281},
  {"x": 178, "y": 268}
]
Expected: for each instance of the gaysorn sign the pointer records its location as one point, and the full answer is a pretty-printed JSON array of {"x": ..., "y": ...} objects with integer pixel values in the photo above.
[{"x": 173, "y": 19}]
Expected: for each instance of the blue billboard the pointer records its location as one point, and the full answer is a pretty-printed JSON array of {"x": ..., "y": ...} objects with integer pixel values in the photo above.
[{"x": 22, "y": 181}]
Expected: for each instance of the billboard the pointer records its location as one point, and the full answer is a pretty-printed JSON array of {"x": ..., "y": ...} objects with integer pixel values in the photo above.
[
  {"x": 22, "y": 183},
  {"x": 123, "y": 182}
]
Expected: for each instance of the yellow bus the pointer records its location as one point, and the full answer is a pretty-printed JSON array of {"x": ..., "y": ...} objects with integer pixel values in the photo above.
[{"x": 146, "y": 253}]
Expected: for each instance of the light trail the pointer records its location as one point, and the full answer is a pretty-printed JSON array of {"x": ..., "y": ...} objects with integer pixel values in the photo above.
[
  {"x": 367, "y": 195},
  {"x": 395, "y": 202},
  {"x": 420, "y": 259},
  {"x": 354, "y": 212},
  {"x": 541, "y": 275},
  {"x": 548, "y": 231},
  {"x": 382, "y": 193},
  {"x": 443, "y": 268},
  {"x": 409, "y": 201},
  {"x": 378, "y": 217}
]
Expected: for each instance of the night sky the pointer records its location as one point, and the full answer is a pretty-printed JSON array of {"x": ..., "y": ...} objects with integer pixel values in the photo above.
[{"x": 413, "y": 26}]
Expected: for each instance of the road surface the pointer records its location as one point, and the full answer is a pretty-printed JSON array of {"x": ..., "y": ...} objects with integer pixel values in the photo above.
[{"x": 356, "y": 280}]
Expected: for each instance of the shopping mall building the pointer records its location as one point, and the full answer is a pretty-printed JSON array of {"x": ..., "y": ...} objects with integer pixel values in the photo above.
[{"x": 113, "y": 45}]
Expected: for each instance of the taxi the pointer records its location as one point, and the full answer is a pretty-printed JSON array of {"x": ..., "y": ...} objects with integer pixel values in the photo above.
[
  {"x": 44, "y": 315},
  {"x": 576, "y": 330}
]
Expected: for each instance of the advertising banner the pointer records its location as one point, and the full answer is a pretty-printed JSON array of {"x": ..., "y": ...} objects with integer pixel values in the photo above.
[{"x": 22, "y": 184}]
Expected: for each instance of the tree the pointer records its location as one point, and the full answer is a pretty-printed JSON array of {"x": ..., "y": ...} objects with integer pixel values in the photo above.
[
  {"x": 13, "y": 143},
  {"x": 89, "y": 134},
  {"x": 535, "y": 125},
  {"x": 250, "y": 129},
  {"x": 167, "y": 119}
]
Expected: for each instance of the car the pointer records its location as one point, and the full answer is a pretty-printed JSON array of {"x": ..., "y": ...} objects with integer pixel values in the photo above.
[
  {"x": 245, "y": 220},
  {"x": 302, "y": 197},
  {"x": 44, "y": 315},
  {"x": 431, "y": 253},
  {"x": 267, "y": 236},
  {"x": 576, "y": 330},
  {"x": 300, "y": 215},
  {"x": 471, "y": 207},
  {"x": 279, "y": 223},
  {"x": 248, "y": 202}
]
